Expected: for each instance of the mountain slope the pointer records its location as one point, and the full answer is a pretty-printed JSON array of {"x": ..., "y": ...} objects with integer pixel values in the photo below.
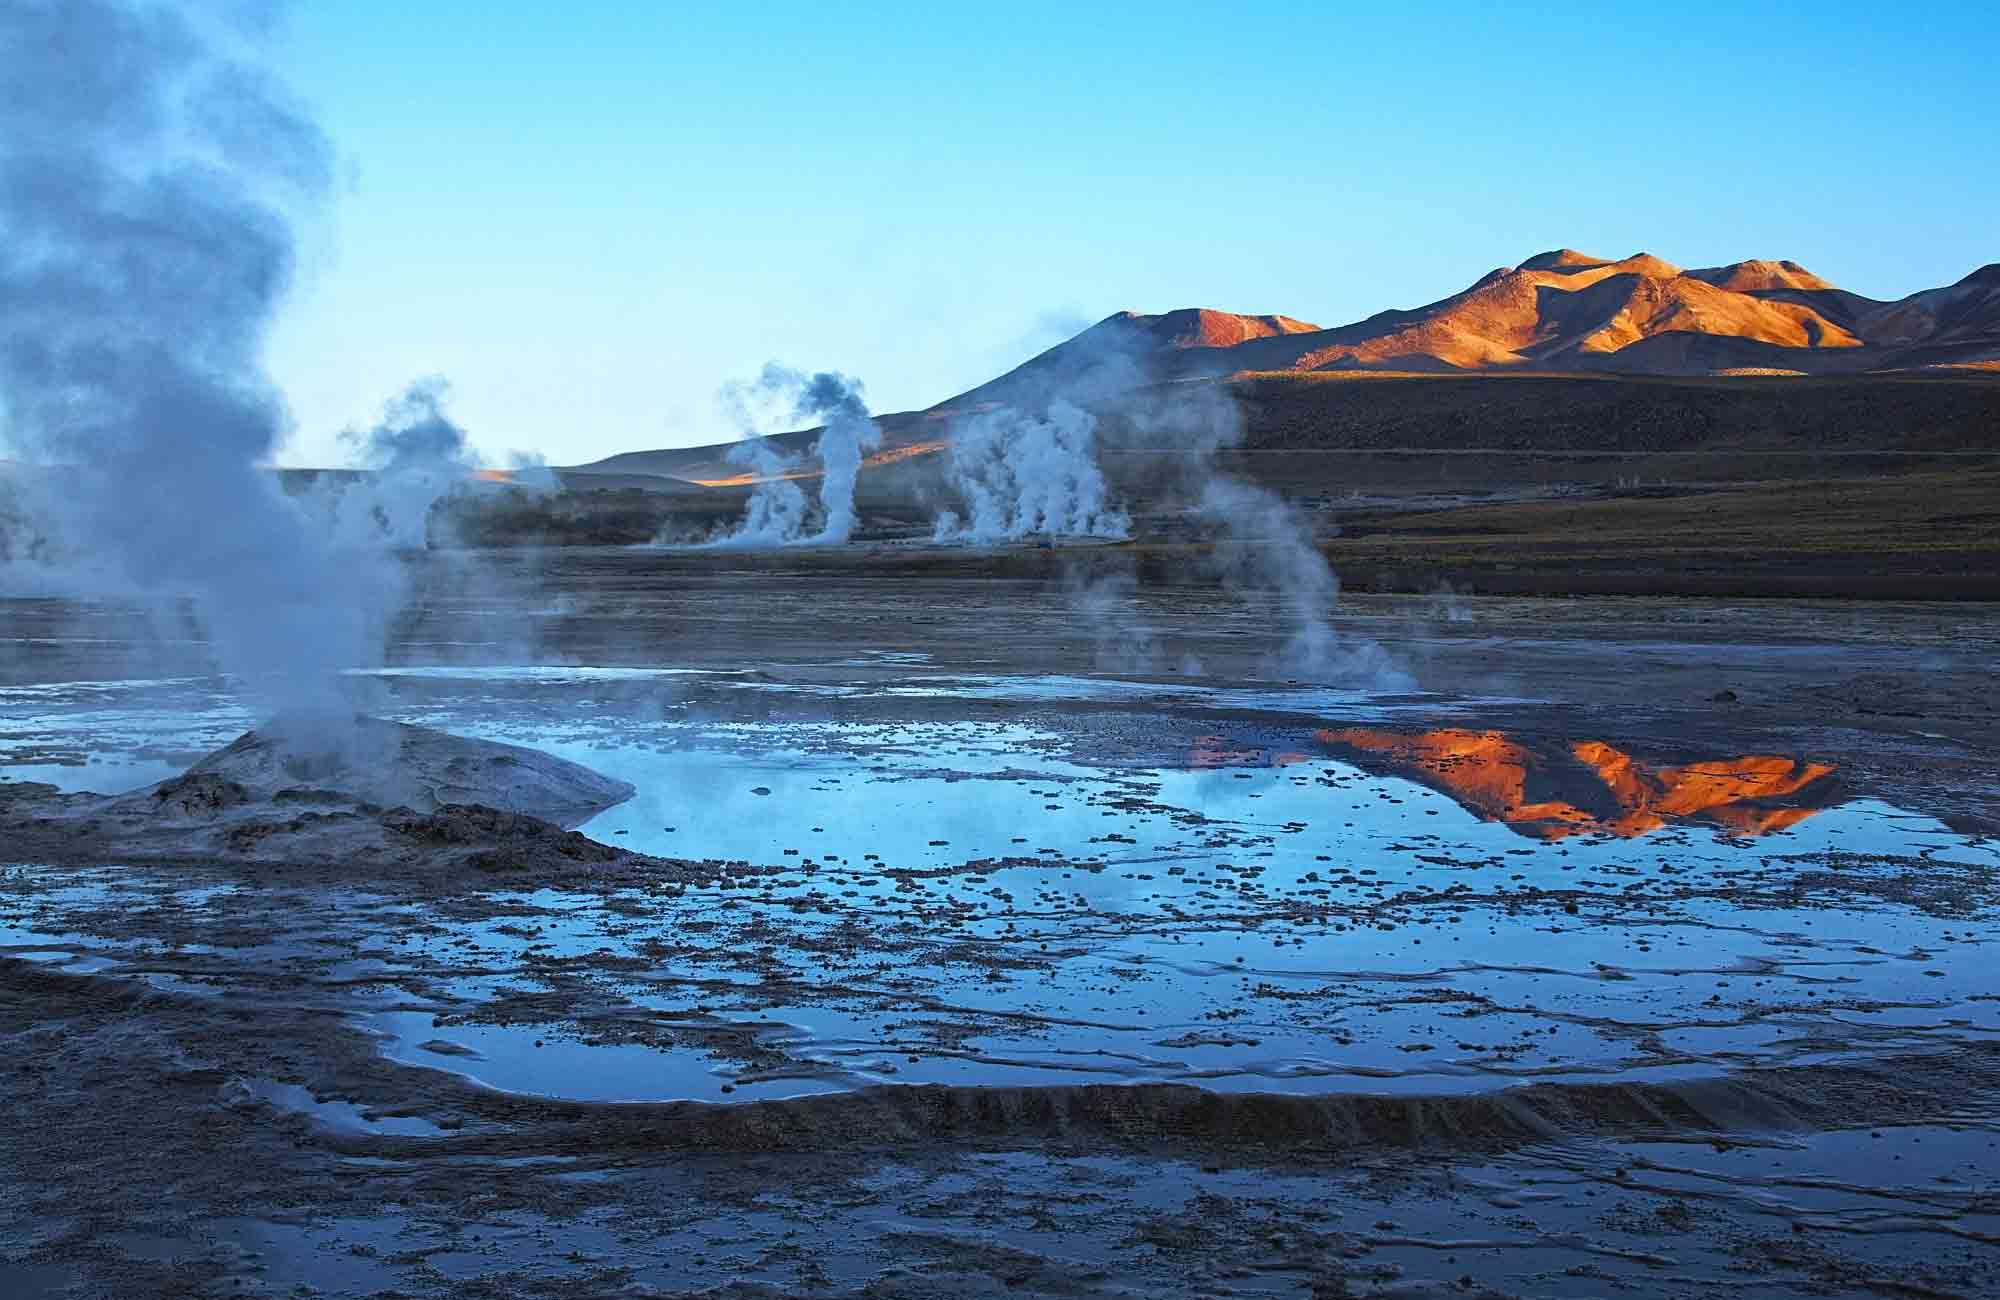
[
  {"x": 1126, "y": 350},
  {"x": 1201, "y": 327},
  {"x": 1568, "y": 311},
  {"x": 1559, "y": 312},
  {"x": 1963, "y": 316}
]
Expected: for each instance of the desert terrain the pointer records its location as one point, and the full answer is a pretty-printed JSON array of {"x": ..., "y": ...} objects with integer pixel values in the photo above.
[
  {"x": 1575, "y": 424},
  {"x": 1874, "y": 487}
]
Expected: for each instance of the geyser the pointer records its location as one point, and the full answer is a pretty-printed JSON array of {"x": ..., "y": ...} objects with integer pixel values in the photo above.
[
  {"x": 416, "y": 456},
  {"x": 147, "y": 168},
  {"x": 777, "y": 514},
  {"x": 1021, "y": 475}
]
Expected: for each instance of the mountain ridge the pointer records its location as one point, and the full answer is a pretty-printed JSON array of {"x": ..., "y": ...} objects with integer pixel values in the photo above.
[
  {"x": 1564, "y": 311},
  {"x": 1560, "y": 312}
]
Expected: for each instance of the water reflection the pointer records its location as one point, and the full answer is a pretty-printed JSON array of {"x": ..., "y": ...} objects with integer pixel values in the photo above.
[{"x": 1551, "y": 790}]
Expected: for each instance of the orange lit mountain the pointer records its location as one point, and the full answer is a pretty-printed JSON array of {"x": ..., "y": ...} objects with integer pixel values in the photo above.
[
  {"x": 1567, "y": 311},
  {"x": 1199, "y": 327},
  {"x": 1126, "y": 350},
  {"x": 1560, "y": 312}
]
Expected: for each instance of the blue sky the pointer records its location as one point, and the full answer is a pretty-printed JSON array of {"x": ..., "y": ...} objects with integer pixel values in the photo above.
[{"x": 588, "y": 216}]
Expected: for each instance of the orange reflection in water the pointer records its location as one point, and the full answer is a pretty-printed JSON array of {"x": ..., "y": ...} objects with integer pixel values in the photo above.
[{"x": 1587, "y": 786}]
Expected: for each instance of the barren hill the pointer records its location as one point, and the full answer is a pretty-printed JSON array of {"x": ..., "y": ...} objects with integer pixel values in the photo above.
[
  {"x": 1200, "y": 327},
  {"x": 1559, "y": 312},
  {"x": 1962, "y": 318},
  {"x": 1565, "y": 311},
  {"x": 1758, "y": 276}
]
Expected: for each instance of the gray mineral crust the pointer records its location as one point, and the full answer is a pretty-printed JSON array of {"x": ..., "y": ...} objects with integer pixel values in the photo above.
[{"x": 391, "y": 764}]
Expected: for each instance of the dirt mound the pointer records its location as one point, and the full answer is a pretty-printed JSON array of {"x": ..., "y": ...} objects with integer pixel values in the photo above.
[
  {"x": 386, "y": 764},
  {"x": 349, "y": 800}
]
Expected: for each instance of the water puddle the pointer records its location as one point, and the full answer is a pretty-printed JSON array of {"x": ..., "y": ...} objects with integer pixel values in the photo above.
[
  {"x": 1254, "y": 906},
  {"x": 340, "y": 1116}
]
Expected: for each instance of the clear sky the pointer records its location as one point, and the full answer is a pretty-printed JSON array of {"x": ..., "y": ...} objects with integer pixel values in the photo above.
[{"x": 587, "y": 216}]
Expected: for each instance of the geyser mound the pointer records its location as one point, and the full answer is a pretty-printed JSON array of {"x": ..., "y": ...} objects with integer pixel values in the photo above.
[{"x": 304, "y": 758}]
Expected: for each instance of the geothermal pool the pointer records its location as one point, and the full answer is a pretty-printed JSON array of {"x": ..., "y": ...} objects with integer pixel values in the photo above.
[
  {"x": 1050, "y": 879},
  {"x": 1627, "y": 946}
]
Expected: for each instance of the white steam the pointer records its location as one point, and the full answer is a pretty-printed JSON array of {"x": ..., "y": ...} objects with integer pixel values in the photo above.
[
  {"x": 1265, "y": 545},
  {"x": 147, "y": 164},
  {"x": 149, "y": 170},
  {"x": 415, "y": 457},
  {"x": 1019, "y": 476},
  {"x": 1103, "y": 390},
  {"x": 849, "y": 435},
  {"x": 778, "y": 514}
]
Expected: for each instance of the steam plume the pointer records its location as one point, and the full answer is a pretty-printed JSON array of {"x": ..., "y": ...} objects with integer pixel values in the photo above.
[
  {"x": 1264, "y": 551},
  {"x": 1266, "y": 546},
  {"x": 848, "y": 436},
  {"x": 417, "y": 457},
  {"x": 777, "y": 513},
  {"x": 1020, "y": 476},
  {"x": 147, "y": 166},
  {"x": 529, "y": 470}
]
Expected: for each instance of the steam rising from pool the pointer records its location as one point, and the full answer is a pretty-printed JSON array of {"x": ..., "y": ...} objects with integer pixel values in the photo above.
[
  {"x": 150, "y": 170},
  {"x": 777, "y": 514}
]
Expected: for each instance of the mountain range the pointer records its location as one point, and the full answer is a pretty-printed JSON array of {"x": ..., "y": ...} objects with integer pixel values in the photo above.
[
  {"x": 1557, "y": 313},
  {"x": 1569, "y": 312}
]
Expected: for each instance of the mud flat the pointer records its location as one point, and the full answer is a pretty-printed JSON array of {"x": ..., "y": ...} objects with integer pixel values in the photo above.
[{"x": 946, "y": 945}]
